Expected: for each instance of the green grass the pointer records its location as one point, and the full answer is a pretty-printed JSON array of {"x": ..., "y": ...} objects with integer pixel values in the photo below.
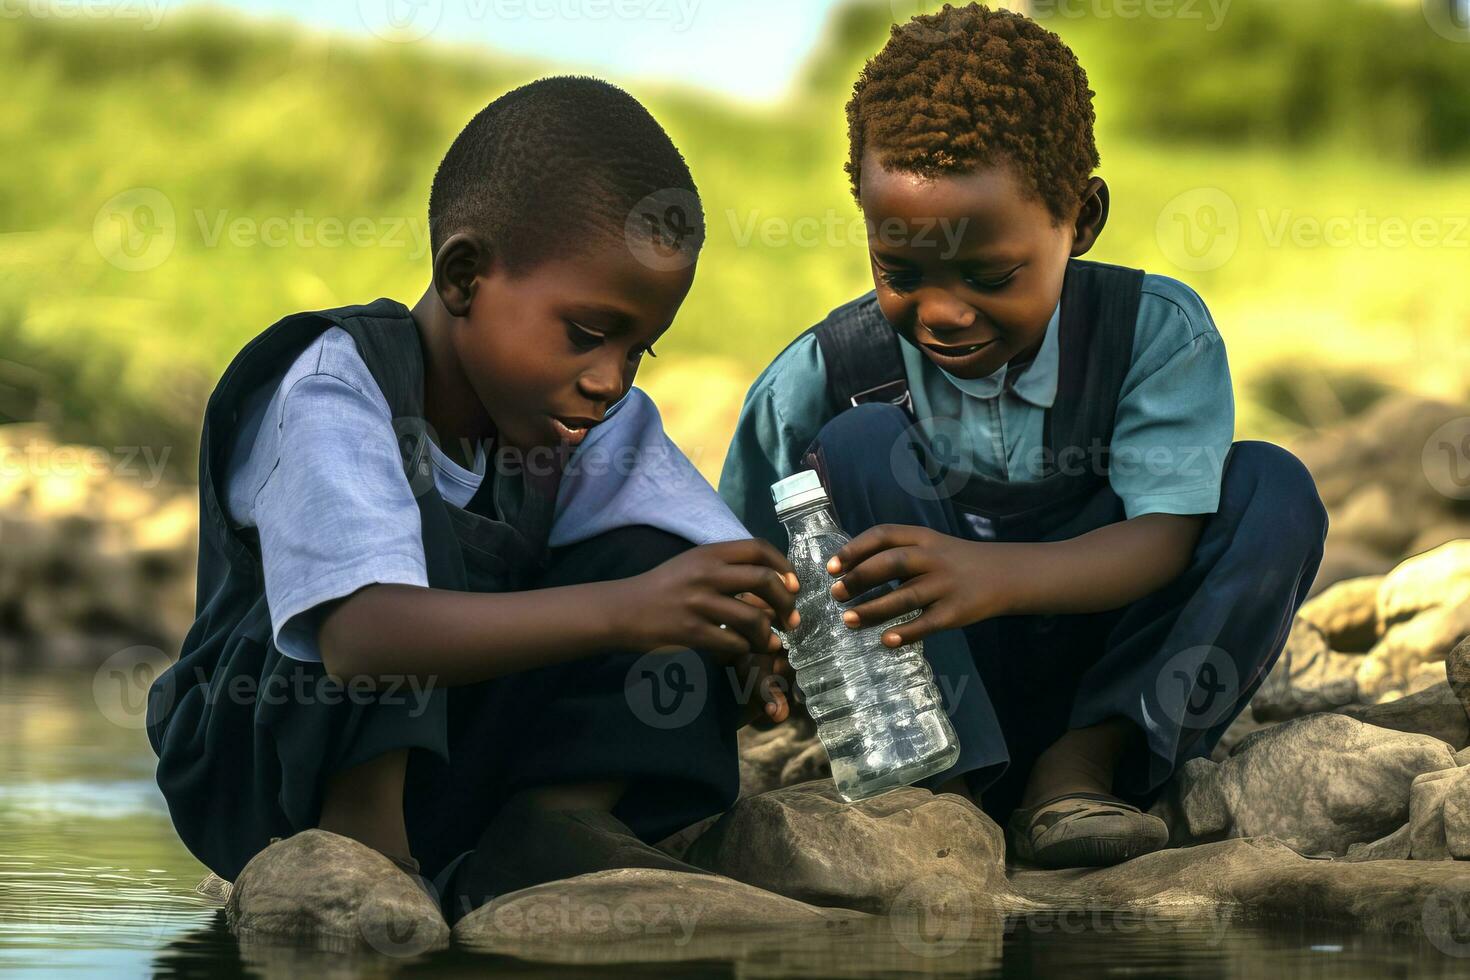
[{"x": 226, "y": 120}]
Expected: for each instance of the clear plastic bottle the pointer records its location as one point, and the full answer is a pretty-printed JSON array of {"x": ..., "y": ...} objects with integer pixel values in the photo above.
[{"x": 877, "y": 710}]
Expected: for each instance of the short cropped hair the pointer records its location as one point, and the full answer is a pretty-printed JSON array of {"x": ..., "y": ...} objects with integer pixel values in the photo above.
[
  {"x": 970, "y": 87},
  {"x": 548, "y": 165}
]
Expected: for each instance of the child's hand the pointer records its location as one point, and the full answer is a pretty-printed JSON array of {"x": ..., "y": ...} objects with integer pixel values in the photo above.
[
  {"x": 947, "y": 577},
  {"x": 693, "y": 600}
]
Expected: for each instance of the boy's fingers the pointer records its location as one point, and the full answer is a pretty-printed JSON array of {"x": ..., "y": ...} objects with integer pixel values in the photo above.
[
  {"x": 904, "y": 599},
  {"x": 753, "y": 625},
  {"x": 870, "y": 542},
  {"x": 931, "y": 621},
  {"x": 897, "y": 563},
  {"x": 755, "y": 551},
  {"x": 762, "y": 582}
]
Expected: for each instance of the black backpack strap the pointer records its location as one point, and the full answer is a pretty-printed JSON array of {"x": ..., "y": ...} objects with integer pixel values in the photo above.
[
  {"x": 863, "y": 360},
  {"x": 1099, "y": 317}
]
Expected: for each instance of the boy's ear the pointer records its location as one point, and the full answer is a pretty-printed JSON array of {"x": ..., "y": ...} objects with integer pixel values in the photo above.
[
  {"x": 1092, "y": 217},
  {"x": 458, "y": 264}
]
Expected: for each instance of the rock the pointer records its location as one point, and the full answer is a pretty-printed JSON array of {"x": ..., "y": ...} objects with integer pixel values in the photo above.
[
  {"x": 782, "y": 755},
  {"x": 805, "y": 843},
  {"x": 1426, "y": 676},
  {"x": 1307, "y": 677},
  {"x": 1427, "y": 637},
  {"x": 1344, "y": 560},
  {"x": 1437, "y": 534},
  {"x": 1436, "y": 578},
  {"x": 1429, "y": 824},
  {"x": 1244, "y": 724},
  {"x": 1457, "y": 817},
  {"x": 1434, "y": 711},
  {"x": 631, "y": 904},
  {"x": 1318, "y": 783},
  {"x": 1457, "y": 672},
  {"x": 1263, "y": 877},
  {"x": 325, "y": 889},
  {"x": 1347, "y": 614},
  {"x": 1394, "y": 847},
  {"x": 1371, "y": 516},
  {"x": 639, "y": 916}
]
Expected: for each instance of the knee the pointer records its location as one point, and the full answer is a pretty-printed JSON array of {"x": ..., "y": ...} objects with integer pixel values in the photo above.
[
  {"x": 864, "y": 426},
  {"x": 1266, "y": 476}
]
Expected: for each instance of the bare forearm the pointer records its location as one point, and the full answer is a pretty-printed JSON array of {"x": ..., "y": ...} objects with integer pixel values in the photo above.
[
  {"x": 457, "y": 638},
  {"x": 1102, "y": 569}
]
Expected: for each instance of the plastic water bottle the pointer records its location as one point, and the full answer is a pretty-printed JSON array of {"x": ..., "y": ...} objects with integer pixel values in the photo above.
[{"x": 877, "y": 710}]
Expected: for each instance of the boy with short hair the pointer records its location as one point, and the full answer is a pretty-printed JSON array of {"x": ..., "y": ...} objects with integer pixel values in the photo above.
[
  {"x": 1038, "y": 449},
  {"x": 423, "y": 606}
]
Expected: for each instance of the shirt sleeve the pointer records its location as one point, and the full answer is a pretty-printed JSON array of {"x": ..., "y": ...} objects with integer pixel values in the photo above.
[
  {"x": 783, "y": 412},
  {"x": 336, "y": 512},
  {"x": 1176, "y": 416}
]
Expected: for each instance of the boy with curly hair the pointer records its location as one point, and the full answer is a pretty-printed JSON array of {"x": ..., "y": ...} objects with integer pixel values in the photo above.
[{"x": 1037, "y": 449}]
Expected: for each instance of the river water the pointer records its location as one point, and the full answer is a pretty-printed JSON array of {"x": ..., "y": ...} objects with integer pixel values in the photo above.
[{"x": 93, "y": 882}]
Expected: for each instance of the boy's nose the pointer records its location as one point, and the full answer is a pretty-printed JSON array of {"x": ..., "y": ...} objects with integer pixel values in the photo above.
[{"x": 942, "y": 313}]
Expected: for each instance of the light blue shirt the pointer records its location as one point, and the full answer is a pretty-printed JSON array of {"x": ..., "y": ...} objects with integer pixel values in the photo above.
[
  {"x": 316, "y": 468},
  {"x": 1175, "y": 416}
]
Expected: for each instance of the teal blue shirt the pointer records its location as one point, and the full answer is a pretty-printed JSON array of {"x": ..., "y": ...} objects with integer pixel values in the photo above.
[{"x": 1175, "y": 416}]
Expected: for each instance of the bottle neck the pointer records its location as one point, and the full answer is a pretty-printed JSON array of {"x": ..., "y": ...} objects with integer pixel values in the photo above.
[{"x": 815, "y": 516}]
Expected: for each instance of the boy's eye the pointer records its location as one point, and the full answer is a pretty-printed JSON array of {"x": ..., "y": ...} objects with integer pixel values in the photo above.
[
  {"x": 987, "y": 284},
  {"x": 581, "y": 337},
  {"x": 639, "y": 353},
  {"x": 899, "y": 282}
]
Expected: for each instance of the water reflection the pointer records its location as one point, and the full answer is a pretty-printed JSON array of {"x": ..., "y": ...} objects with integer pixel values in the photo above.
[{"x": 94, "y": 882}]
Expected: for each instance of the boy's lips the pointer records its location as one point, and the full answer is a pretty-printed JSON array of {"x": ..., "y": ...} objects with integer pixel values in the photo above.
[
  {"x": 957, "y": 356},
  {"x": 573, "y": 429}
]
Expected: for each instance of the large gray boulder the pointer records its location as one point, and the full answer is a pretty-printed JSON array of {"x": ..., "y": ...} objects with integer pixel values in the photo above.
[
  {"x": 1319, "y": 784},
  {"x": 1263, "y": 877},
  {"x": 1433, "y": 711},
  {"x": 1309, "y": 676},
  {"x": 323, "y": 889},
  {"x": 805, "y": 843},
  {"x": 1439, "y": 816},
  {"x": 612, "y": 918}
]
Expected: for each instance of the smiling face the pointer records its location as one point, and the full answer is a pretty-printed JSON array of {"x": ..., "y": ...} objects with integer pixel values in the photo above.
[
  {"x": 549, "y": 349},
  {"x": 970, "y": 266}
]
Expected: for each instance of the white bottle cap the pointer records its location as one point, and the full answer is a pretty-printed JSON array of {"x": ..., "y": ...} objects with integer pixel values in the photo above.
[{"x": 797, "y": 491}]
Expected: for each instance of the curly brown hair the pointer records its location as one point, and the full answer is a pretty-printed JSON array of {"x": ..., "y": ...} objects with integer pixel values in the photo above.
[{"x": 970, "y": 87}]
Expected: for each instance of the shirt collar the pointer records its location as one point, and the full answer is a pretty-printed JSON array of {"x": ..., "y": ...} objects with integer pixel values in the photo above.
[{"x": 1037, "y": 384}]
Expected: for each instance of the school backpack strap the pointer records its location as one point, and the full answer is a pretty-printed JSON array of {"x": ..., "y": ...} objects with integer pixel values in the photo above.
[
  {"x": 863, "y": 360},
  {"x": 1099, "y": 317}
]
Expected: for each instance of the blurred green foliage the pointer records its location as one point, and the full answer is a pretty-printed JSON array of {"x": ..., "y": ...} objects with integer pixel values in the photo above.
[{"x": 1303, "y": 112}]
